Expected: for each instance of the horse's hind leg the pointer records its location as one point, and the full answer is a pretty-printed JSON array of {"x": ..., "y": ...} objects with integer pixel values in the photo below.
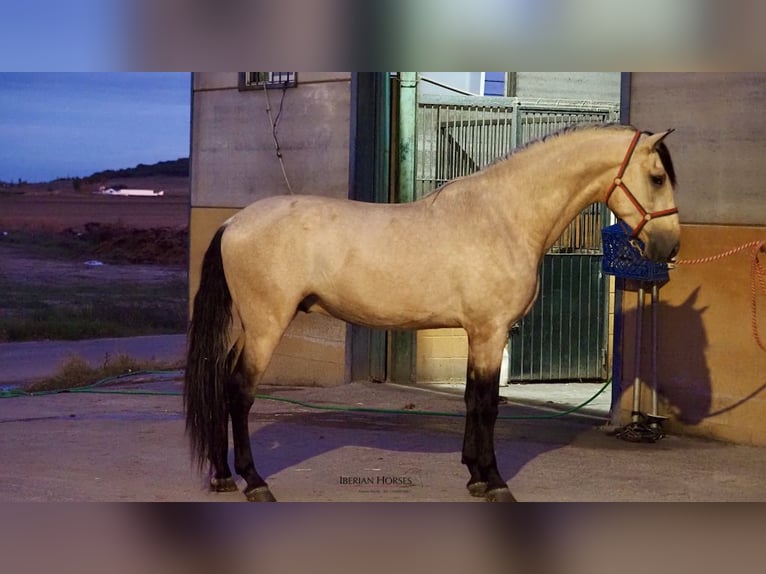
[
  {"x": 481, "y": 399},
  {"x": 240, "y": 396},
  {"x": 256, "y": 350},
  {"x": 220, "y": 478}
]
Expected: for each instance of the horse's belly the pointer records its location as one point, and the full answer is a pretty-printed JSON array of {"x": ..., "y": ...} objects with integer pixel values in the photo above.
[{"x": 382, "y": 314}]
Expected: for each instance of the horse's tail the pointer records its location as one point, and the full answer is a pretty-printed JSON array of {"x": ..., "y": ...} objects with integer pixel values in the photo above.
[{"x": 207, "y": 364}]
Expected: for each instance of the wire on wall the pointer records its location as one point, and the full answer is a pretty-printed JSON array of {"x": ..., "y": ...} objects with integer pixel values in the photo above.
[{"x": 274, "y": 121}]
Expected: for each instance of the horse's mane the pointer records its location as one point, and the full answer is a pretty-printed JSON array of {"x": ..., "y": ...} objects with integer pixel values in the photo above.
[
  {"x": 662, "y": 149},
  {"x": 571, "y": 129}
]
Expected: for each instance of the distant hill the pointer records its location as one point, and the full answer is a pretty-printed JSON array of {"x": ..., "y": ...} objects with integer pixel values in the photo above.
[
  {"x": 172, "y": 175},
  {"x": 172, "y": 168}
]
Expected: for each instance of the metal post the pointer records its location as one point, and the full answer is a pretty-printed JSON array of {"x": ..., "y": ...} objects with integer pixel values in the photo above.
[
  {"x": 617, "y": 338},
  {"x": 625, "y": 92},
  {"x": 655, "y": 296},
  {"x": 516, "y": 121},
  {"x": 407, "y": 113},
  {"x": 654, "y": 418},
  {"x": 636, "y": 412}
]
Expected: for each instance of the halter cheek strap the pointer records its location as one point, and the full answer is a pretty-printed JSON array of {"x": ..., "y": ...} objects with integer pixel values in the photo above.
[{"x": 646, "y": 216}]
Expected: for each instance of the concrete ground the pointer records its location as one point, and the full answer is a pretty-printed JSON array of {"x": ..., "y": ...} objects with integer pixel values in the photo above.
[
  {"x": 127, "y": 442},
  {"x": 131, "y": 447}
]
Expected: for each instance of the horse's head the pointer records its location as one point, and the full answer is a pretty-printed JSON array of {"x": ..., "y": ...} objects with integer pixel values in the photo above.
[{"x": 642, "y": 195}]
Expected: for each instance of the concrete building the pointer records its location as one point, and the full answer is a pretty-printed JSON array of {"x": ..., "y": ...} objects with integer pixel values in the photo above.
[{"x": 338, "y": 135}]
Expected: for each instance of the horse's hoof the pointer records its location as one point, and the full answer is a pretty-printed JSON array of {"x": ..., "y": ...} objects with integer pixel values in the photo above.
[
  {"x": 260, "y": 494},
  {"x": 477, "y": 489},
  {"x": 223, "y": 484},
  {"x": 502, "y": 494}
]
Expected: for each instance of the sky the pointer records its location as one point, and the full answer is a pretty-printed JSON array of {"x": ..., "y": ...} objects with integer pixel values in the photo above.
[{"x": 72, "y": 124}]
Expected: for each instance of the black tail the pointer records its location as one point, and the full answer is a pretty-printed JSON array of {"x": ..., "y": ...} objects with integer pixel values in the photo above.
[{"x": 207, "y": 364}]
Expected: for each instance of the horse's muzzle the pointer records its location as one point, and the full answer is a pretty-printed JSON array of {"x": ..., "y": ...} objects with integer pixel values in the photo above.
[{"x": 663, "y": 247}]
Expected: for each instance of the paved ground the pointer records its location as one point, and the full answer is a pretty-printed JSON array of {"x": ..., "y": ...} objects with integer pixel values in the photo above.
[{"x": 113, "y": 447}]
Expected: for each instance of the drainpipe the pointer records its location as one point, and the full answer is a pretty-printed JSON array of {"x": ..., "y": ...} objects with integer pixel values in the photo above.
[{"x": 402, "y": 343}]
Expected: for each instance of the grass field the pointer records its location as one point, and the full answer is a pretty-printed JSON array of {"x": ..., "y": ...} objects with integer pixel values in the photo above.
[{"x": 73, "y": 309}]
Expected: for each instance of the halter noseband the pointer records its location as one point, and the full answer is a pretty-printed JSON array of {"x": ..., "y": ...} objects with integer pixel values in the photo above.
[{"x": 646, "y": 216}]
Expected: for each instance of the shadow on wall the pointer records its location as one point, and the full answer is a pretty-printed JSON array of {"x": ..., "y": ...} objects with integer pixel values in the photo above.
[{"x": 684, "y": 379}]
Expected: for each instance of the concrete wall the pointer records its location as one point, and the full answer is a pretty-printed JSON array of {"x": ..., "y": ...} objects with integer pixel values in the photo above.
[
  {"x": 234, "y": 162},
  {"x": 595, "y": 86},
  {"x": 721, "y": 126},
  {"x": 441, "y": 355},
  {"x": 711, "y": 371}
]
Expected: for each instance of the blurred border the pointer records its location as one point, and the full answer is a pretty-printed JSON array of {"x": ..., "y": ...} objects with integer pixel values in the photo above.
[
  {"x": 98, "y": 35},
  {"x": 377, "y": 538}
]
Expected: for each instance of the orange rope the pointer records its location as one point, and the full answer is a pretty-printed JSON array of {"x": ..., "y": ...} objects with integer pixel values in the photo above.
[
  {"x": 757, "y": 278},
  {"x": 734, "y": 251}
]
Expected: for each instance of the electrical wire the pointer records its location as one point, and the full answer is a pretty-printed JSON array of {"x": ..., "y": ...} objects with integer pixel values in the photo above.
[{"x": 274, "y": 123}]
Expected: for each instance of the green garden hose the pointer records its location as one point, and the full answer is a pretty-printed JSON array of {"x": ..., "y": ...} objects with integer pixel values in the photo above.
[{"x": 95, "y": 389}]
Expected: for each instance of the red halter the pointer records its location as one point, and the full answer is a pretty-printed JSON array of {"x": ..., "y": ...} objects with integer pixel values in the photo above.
[{"x": 646, "y": 216}]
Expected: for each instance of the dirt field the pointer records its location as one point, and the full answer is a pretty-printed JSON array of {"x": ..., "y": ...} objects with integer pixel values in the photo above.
[
  {"x": 32, "y": 207},
  {"x": 18, "y": 267}
]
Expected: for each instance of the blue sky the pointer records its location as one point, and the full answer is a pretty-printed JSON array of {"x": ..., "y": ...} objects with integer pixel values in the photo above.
[{"x": 73, "y": 124}]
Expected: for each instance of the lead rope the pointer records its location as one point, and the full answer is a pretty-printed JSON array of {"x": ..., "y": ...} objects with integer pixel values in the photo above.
[{"x": 757, "y": 279}]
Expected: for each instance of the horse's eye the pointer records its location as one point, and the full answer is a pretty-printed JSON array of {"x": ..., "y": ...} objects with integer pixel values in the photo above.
[{"x": 658, "y": 180}]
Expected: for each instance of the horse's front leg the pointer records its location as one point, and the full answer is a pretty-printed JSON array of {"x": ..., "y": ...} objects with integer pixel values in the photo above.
[{"x": 485, "y": 352}]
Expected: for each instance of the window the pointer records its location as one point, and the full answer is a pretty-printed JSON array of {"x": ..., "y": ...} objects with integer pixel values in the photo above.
[
  {"x": 500, "y": 84},
  {"x": 259, "y": 80},
  {"x": 494, "y": 84}
]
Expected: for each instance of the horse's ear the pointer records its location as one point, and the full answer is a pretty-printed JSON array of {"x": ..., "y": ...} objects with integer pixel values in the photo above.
[
  {"x": 691, "y": 301},
  {"x": 655, "y": 139}
]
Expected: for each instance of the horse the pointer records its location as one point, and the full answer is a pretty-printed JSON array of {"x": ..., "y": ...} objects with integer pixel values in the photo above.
[{"x": 479, "y": 239}]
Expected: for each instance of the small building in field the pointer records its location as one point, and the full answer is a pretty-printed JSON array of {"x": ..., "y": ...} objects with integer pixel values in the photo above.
[{"x": 127, "y": 192}]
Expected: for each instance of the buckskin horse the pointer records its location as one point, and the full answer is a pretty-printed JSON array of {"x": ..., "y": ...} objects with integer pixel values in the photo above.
[{"x": 480, "y": 242}]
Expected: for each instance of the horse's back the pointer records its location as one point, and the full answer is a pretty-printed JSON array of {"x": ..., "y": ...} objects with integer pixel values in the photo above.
[
  {"x": 412, "y": 265},
  {"x": 350, "y": 259}
]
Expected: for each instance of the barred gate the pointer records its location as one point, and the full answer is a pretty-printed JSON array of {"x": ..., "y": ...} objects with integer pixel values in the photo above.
[{"x": 564, "y": 335}]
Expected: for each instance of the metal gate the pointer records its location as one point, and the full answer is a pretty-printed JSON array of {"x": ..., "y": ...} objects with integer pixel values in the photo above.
[{"x": 564, "y": 335}]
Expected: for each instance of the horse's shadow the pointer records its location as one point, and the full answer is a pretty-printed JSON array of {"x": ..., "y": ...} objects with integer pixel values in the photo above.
[
  {"x": 292, "y": 440},
  {"x": 684, "y": 381}
]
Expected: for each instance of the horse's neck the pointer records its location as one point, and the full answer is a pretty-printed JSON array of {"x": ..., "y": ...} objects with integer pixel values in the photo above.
[{"x": 548, "y": 185}]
